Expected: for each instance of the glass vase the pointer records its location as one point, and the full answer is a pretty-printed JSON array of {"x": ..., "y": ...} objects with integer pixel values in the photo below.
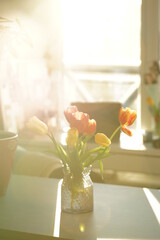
[{"x": 77, "y": 191}]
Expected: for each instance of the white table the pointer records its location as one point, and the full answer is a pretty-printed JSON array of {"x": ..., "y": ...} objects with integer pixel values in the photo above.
[{"x": 31, "y": 209}]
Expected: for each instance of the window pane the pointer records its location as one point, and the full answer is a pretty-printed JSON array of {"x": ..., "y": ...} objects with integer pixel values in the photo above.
[{"x": 102, "y": 32}]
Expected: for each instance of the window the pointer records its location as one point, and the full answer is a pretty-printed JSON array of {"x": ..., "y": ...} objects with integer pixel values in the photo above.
[
  {"x": 107, "y": 48},
  {"x": 102, "y": 51},
  {"x": 102, "y": 32}
]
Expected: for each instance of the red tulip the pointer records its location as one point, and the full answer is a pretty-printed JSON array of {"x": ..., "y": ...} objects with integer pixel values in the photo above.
[{"x": 91, "y": 128}]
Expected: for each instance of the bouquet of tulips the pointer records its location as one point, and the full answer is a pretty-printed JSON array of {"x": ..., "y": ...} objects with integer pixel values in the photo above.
[{"x": 76, "y": 155}]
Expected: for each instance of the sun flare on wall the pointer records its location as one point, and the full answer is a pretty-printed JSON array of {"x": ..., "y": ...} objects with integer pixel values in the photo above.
[{"x": 96, "y": 32}]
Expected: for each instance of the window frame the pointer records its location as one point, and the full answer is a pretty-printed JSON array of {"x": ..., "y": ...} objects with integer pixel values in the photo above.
[{"x": 149, "y": 37}]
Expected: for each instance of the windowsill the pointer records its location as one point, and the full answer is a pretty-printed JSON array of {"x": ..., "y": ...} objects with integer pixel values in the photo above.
[
  {"x": 134, "y": 145},
  {"x": 145, "y": 149},
  {"x": 127, "y": 145}
]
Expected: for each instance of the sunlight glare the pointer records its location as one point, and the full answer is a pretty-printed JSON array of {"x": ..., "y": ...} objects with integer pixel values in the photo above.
[
  {"x": 82, "y": 227},
  {"x": 117, "y": 239},
  {"x": 155, "y": 205},
  {"x": 58, "y": 211},
  {"x": 93, "y": 35}
]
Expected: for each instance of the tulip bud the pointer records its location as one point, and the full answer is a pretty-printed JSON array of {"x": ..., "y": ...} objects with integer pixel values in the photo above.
[
  {"x": 37, "y": 126},
  {"x": 102, "y": 139},
  {"x": 72, "y": 137}
]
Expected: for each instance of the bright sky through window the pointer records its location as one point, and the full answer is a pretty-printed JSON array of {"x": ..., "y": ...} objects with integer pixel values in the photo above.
[{"x": 102, "y": 32}]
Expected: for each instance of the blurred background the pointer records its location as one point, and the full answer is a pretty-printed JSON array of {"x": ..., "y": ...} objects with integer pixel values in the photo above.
[{"x": 54, "y": 53}]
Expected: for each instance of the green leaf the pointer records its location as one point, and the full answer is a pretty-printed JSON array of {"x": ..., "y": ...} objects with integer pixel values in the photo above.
[
  {"x": 87, "y": 138},
  {"x": 51, "y": 152},
  {"x": 63, "y": 153}
]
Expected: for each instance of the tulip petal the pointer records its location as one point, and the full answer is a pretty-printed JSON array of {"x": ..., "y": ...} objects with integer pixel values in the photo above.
[
  {"x": 102, "y": 139},
  {"x": 127, "y": 116},
  {"x": 72, "y": 137},
  {"x": 126, "y": 130},
  {"x": 80, "y": 121},
  {"x": 132, "y": 118},
  {"x": 37, "y": 126},
  {"x": 69, "y": 111},
  {"x": 124, "y": 114},
  {"x": 91, "y": 128}
]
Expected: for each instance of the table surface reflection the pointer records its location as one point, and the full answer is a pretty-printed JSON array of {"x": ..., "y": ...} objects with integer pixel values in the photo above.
[{"x": 31, "y": 207}]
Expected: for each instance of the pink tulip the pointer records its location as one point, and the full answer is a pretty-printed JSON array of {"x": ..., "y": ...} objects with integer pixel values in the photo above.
[
  {"x": 76, "y": 119},
  {"x": 79, "y": 120},
  {"x": 69, "y": 111}
]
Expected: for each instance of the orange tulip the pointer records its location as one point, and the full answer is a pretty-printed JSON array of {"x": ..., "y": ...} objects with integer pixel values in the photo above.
[
  {"x": 132, "y": 117},
  {"x": 127, "y": 116}
]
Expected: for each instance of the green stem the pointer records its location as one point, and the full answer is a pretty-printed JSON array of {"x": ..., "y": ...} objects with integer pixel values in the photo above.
[
  {"x": 92, "y": 159},
  {"x": 60, "y": 151},
  {"x": 114, "y": 133}
]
